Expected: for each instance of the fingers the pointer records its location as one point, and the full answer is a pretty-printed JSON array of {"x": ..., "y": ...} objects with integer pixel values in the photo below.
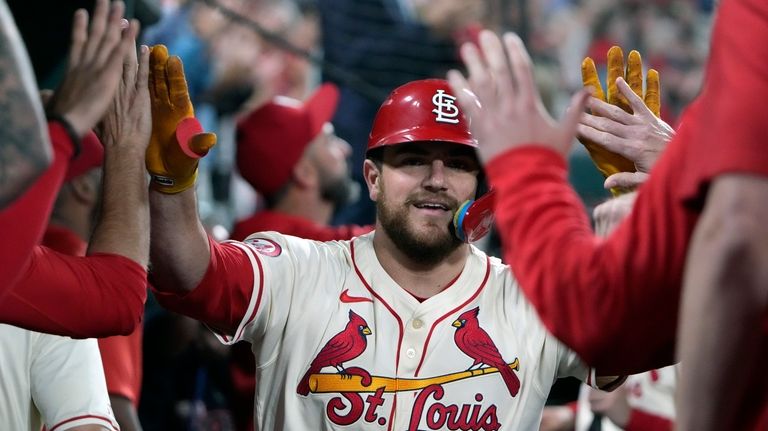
[
  {"x": 142, "y": 77},
  {"x": 635, "y": 102},
  {"x": 130, "y": 62},
  {"x": 590, "y": 78},
  {"x": 522, "y": 69},
  {"x": 467, "y": 99},
  {"x": 478, "y": 76},
  {"x": 112, "y": 33},
  {"x": 98, "y": 24},
  {"x": 177, "y": 83},
  {"x": 635, "y": 73},
  {"x": 625, "y": 180},
  {"x": 604, "y": 124},
  {"x": 201, "y": 143},
  {"x": 604, "y": 109},
  {"x": 79, "y": 37},
  {"x": 615, "y": 71},
  {"x": 498, "y": 65},
  {"x": 653, "y": 92},
  {"x": 607, "y": 140},
  {"x": 574, "y": 113},
  {"x": 158, "y": 58}
]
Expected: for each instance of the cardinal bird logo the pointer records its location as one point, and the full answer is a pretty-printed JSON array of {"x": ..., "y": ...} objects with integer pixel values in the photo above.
[
  {"x": 344, "y": 346},
  {"x": 475, "y": 343}
]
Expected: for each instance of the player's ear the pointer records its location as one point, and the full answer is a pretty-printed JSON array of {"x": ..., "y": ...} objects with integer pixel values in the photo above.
[
  {"x": 372, "y": 174},
  {"x": 305, "y": 174},
  {"x": 85, "y": 188}
]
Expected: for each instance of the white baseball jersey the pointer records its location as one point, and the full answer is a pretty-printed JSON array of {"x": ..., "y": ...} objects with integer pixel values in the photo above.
[
  {"x": 651, "y": 392},
  {"x": 51, "y": 380},
  {"x": 339, "y": 344}
]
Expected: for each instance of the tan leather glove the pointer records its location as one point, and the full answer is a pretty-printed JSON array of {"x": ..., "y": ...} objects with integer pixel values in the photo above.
[
  {"x": 607, "y": 162},
  {"x": 178, "y": 140}
]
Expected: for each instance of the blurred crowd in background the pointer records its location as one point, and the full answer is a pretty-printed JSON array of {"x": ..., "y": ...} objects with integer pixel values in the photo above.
[{"x": 239, "y": 54}]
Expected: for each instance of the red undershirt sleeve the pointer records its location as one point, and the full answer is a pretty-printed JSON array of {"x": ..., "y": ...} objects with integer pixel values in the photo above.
[
  {"x": 81, "y": 297},
  {"x": 221, "y": 298},
  {"x": 642, "y": 421},
  {"x": 24, "y": 221},
  {"x": 588, "y": 291}
]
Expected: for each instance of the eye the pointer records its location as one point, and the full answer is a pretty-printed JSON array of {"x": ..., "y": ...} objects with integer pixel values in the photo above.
[
  {"x": 462, "y": 164},
  {"x": 412, "y": 161}
]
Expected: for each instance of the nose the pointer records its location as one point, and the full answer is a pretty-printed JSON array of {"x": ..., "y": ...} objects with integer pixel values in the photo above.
[
  {"x": 343, "y": 146},
  {"x": 435, "y": 180}
]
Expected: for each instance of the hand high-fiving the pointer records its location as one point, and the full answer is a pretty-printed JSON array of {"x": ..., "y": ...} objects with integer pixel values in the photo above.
[
  {"x": 95, "y": 65},
  {"x": 623, "y": 133},
  {"x": 501, "y": 98},
  {"x": 178, "y": 141}
]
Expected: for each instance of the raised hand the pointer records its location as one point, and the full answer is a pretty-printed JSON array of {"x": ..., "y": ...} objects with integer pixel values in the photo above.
[
  {"x": 178, "y": 140},
  {"x": 95, "y": 65},
  {"x": 123, "y": 227},
  {"x": 623, "y": 133},
  {"x": 501, "y": 98},
  {"x": 127, "y": 124},
  {"x": 615, "y": 136}
]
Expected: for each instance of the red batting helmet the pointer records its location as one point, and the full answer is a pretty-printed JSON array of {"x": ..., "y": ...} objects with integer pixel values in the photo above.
[{"x": 423, "y": 110}]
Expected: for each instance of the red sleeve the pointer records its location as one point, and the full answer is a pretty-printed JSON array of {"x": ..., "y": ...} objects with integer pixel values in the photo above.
[
  {"x": 642, "y": 421},
  {"x": 733, "y": 139},
  {"x": 23, "y": 222},
  {"x": 613, "y": 301},
  {"x": 121, "y": 356},
  {"x": 221, "y": 299},
  {"x": 80, "y": 297}
]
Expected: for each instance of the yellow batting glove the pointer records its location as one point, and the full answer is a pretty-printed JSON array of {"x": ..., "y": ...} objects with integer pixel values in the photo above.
[
  {"x": 607, "y": 162},
  {"x": 178, "y": 140}
]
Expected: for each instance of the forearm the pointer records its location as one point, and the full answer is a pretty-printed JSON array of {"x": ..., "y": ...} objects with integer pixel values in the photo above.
[
  {"x": 643, "y": 421},
  {"x": 724, "y": 301},
  {"x": 125, "y": 413},
  {"x": 180, "y": 252},
  {"x": 79, "y": 297},
  {"x": 123, "y": 226},
  {"x": 25, "y": 149},
  {"x": 24, "y": 221},
  {"x": 592, "y": 294}
]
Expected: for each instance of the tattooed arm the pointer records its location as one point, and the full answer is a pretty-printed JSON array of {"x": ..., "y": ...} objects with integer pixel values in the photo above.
[{"x": 25, "y": 150}]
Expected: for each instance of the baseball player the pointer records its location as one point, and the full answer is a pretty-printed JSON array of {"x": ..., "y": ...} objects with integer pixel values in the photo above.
[
  {"x": 103, "y": 293},
  {"x": 615, "y": 301},
  {"x": 403, "y": 328},
  {"x": 53, "y": 381},
  {"x": 308, "y": 177},
  {"x": 307, "y": 181},
  {"x": 80, "y": 102}
]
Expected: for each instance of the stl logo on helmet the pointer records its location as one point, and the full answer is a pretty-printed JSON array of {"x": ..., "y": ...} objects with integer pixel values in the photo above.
[{"x": 445, "y": 110}]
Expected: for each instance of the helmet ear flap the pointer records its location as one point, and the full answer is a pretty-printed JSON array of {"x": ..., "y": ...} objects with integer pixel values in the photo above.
[
  {"x": 474, "y": 219},
  {"x": 424, "y": 110}
]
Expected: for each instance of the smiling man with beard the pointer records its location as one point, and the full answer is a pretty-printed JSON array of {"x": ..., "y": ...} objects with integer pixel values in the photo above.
[{"x": 402, "y": 328}]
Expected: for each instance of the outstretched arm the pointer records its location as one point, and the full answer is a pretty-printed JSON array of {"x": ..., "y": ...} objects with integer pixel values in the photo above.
[
  {"x": 179, "y": 248},
  {"x": 593, "y": 294},
  {"x": 723, "y": 309},
  {"x": 94, "y": 70}
]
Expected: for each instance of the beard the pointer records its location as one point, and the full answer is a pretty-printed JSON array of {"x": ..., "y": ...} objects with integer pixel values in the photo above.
[
  {"x": 339, "y": 191},
  {"x": 426, "y": 248}
]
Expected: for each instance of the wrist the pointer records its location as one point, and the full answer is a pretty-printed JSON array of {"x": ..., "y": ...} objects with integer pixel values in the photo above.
[
  {"x": 74, "y": 136},
  {"x": 169, "y": 185}
]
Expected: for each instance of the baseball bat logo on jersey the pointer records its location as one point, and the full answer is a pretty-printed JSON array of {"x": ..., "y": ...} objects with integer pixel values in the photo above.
[{"x": 361, "y": 395}]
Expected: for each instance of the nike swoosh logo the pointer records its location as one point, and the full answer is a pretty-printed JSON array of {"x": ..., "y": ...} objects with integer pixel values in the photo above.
[{"x": 344, "y": 297}]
